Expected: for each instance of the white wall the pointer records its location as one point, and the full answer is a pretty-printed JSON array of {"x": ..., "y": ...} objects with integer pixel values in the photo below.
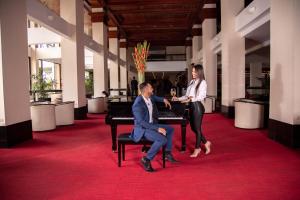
[
  {"x": 42, "y": 36},
  {"x": 252, "y": 17},
  {"x": 164, "y": 66},
  {"x": 48, "y": 53},
  {"x": 285, "y": 61}
]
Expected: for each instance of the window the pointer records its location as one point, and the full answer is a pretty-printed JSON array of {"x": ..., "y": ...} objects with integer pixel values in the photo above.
[{"x": 51, "y": 73}]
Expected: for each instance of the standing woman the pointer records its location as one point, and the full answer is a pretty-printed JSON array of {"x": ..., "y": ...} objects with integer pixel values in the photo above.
[{"x": 196, "y": 92}]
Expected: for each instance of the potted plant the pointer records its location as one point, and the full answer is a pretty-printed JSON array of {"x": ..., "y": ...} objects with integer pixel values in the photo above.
[
  {"x": 89, "y": 84},
  {"x": 40, "y": 86}
]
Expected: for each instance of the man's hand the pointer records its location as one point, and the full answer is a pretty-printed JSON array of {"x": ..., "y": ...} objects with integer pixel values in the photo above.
[
  {"x": 162, "y": 131},
  {"x": 167, "y": 103}
]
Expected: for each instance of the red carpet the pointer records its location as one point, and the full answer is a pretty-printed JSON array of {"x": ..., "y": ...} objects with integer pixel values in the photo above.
[{"x": 76, "y": 162}]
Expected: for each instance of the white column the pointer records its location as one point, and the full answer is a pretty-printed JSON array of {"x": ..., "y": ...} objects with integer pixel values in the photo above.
[
  {"x": 233, "y": 56},
  {"x": 14, "y": 73},
  {"x": 255, "y": 72},
  {"x": 114, "y": 64},
  {"x": 33, "y": 60},
  {"x": 72, "y": 56},
  {"x": 123, "y": 68},
  {"x": 130, "y": 65},
  {"x": 188, "y": 55},
  {"x": 57, "y": 76},
  {"x": 196, "y": 43},
  {"x": 209, "y": 57},
  {"x": 285, "y": 71},
  {"x": 100, "y": 65}
]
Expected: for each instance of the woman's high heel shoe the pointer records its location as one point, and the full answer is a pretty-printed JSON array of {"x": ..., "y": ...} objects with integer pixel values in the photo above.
[
  {"x": 195, "y": 153},
  {"x": 207, "y": 147}
]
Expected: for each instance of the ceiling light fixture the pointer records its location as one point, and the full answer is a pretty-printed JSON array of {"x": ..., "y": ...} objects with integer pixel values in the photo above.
[
  {"x": 50, "y": 17},
  {"x": 252, "y": 9}
]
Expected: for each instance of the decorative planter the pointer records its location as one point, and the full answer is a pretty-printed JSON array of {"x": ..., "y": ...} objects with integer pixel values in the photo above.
[{"x": 141, "y": 77}]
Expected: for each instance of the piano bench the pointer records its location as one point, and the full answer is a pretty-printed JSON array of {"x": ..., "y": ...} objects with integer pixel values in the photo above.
[{"x": 125, "y": 139}]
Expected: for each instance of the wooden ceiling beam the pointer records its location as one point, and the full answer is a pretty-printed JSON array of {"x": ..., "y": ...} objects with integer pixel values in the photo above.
[
  {"x": 208, "y": 13},
  {"x": 160, "y": 10},
  {"x": 134, "y": 28},
  {"x": 150, "y": 2},
  {"x": 193, "y": 17},
  {"x": 162, "y": 22},
  {"x": 132, "y": 8},
  {"x": 158, "y": 22},
  {"x": 153, "y": 43},
  {"x": 112, "y": 16},
  {"x": 152, "y": 37}
]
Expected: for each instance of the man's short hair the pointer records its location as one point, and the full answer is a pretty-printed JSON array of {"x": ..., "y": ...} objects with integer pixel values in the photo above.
[{"x": 143, "y": 85}]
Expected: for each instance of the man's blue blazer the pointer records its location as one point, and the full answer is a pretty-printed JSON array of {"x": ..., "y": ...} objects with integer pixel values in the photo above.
[{"x": 141, "y": 117}]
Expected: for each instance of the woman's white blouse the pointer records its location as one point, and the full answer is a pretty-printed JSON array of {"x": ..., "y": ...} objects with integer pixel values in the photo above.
[{"x": 190, "y": 92}]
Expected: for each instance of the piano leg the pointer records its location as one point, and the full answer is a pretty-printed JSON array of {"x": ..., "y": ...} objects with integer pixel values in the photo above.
[
  {"x": 183, "y": 137},
  {"x": 114, "y": 136}
]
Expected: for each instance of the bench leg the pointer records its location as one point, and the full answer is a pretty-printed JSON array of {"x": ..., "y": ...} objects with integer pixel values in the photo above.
[
  {"x": 164, "y": 156},
  {"x": 119, "y": 154},
  {"x": 123, "y": 151}
]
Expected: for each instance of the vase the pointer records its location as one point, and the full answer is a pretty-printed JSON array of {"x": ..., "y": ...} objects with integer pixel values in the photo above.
[{"x": 141, "y": 77}]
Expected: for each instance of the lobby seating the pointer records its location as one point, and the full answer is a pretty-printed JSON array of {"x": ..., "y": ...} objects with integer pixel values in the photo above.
[
  {"x": 56, "y": 97},
  {"x": 125, "y": 139},
  {"x": 46, "y": 116},
  {"x": 249, "y": 114},
  {"x": 96, "y": 105},
  {"x": 43, "y": 116},
  {"x": 64, "y": 113}
]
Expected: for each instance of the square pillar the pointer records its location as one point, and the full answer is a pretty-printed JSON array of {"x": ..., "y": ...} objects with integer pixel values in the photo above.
[
  {"x": 100, "y": 65},
  {"x": 114, "y": 67},
  {"x": 209, "y": 30},
  {"x": 196, "y": 42},
  {"x": 255, "y": 72},
  {"x": 188, "y": 57},
  {"x": 72, "y": 58},
  {"x": 15, "y": 119},
  {"x": 233, "y": 57},
  {"x": 123, "y": 68},
  {"x": 284, "y": 122}
]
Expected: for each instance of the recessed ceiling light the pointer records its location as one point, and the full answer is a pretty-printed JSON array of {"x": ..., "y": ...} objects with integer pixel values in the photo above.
[
  {"x": 252, "y": 9},
  {"x": 50, "y": 17}
]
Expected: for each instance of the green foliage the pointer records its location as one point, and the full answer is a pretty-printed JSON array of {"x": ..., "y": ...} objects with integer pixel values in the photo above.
[
  {"x": 89, "y": 83},
  {"x": 40, "y": 85}
]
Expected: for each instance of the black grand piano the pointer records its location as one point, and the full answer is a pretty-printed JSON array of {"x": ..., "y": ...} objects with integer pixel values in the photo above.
[{"x": 119, "y": 112}]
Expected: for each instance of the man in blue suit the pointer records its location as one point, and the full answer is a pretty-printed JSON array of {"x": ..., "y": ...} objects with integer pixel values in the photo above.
[{"x": 146, "y": 125}]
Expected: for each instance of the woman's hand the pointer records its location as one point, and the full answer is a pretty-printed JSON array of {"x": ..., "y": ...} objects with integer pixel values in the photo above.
[
  {"x": 185, "y": 101},
  {"x": 189, "y": 99},
  {"x": 175, "y": 99}
]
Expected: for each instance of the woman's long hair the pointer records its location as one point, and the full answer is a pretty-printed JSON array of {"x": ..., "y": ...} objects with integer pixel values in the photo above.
[{"x": 200, "y": 73}]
